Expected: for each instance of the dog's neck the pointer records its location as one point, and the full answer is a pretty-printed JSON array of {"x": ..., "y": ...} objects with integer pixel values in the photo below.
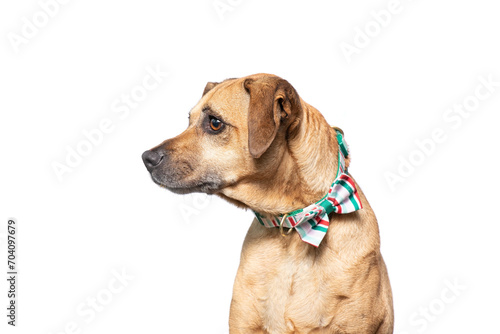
[{"x": 314, "y": 154}]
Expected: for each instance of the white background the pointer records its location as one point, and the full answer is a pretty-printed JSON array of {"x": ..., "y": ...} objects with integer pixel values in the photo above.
[{"x": 438, "y": 227}]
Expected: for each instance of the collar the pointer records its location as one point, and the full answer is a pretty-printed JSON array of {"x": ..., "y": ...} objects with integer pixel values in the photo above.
[{"x": 312, "y": 221}]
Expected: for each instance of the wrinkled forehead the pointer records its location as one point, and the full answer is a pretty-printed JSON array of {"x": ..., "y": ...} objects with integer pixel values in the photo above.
[{"x": 228, "y": 100}]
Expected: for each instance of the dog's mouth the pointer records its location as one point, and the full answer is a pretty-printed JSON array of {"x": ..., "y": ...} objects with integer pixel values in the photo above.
[{"x": 207, "y": 184}]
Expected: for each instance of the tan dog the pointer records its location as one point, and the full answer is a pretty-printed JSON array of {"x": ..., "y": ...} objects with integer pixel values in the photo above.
[{"x": 254, "y": 142}]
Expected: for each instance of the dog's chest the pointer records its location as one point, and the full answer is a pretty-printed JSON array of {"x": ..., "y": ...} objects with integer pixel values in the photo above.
[
  {"x": 290, "y": 282},
  {"x": 297, "y": 294}
]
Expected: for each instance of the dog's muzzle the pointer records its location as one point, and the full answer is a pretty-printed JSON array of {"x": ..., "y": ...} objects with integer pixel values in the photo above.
[{"x": 180, "y": 175}]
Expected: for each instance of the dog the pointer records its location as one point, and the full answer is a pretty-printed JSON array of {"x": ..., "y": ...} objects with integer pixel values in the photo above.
[{"x": 254, "y": 142}]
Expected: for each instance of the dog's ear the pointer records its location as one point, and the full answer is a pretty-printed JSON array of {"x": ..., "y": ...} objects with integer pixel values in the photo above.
[
  {"x": 273, "y": 103},
  {"x": 209, "y": 87}
]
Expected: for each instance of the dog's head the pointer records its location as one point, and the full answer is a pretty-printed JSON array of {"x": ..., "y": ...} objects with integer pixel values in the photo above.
[{"x": 235, "y": 137}]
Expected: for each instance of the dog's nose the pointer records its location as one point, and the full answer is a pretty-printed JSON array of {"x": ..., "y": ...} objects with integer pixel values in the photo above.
[{"x": 151, "y": 159}]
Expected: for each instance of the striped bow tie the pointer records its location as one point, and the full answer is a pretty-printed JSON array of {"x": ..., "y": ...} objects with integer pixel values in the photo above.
[{"x": 312, "y": 222}]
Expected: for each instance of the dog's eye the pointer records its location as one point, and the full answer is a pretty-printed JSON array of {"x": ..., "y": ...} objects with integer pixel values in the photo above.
[{"x": 215, "y": 123}]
